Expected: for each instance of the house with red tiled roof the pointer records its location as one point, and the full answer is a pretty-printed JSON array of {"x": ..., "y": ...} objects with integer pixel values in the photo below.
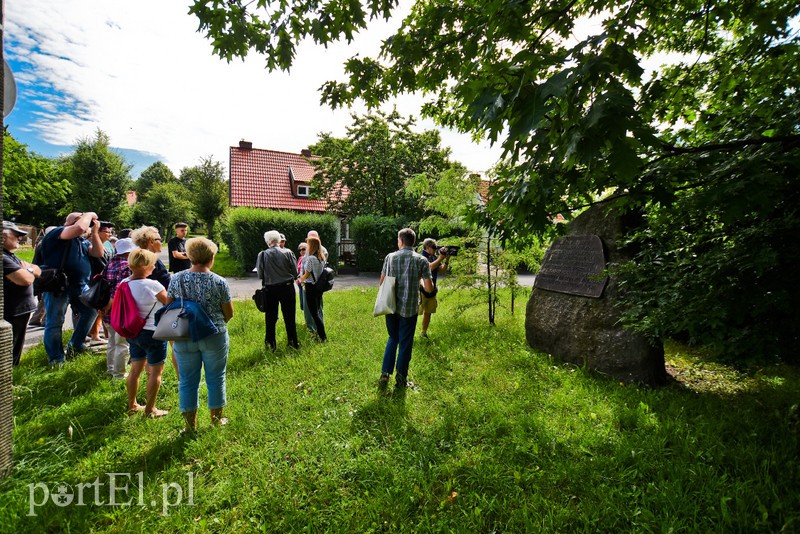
[{"x": 271, "y": 179}]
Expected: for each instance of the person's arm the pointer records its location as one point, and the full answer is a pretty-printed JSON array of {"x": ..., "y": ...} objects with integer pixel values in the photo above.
[
  {"x": 23, "y": 277},
  {"x": 97, "y": 249},
  {"x": 162, "y": 297},
  {"x": 427, "y": 283},
  {"x": 227, "y": 310},
  {"x": 175, "y": 253},
  {"x": 79, "y": 227}
]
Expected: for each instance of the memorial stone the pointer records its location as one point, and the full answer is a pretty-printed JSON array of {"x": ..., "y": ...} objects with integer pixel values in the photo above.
[{"x": 572, "y": 311}]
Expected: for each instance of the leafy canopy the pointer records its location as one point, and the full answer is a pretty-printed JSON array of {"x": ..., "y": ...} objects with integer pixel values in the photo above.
[
  {"x": 366, "y": 172},
  {"x": 34, "y": 191},
  {"x": 209, "y": 191},
  {"x": 705, "y": 147},
  {"x": 100, "y": 177}
]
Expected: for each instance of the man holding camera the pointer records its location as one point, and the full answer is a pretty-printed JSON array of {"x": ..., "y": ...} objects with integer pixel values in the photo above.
[
  {"x": 439, "y": 261},
  {"x": 408, "y": 268},
  {"x": 70, "y": 240}
]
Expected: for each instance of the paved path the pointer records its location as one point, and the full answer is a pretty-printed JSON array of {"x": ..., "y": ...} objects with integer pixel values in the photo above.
[{"x": 243, "y": 289}]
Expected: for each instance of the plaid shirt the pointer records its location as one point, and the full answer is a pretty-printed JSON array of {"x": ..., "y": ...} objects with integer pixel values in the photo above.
[
  {"x": 407, "y": 267},
  {"x": 116, "y": 272}
]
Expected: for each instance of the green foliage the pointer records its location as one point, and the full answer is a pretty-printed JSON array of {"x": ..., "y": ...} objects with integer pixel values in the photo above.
[
  {"x": 375, "y": 237},
  {"x": 164, "y": 204},
  {"x": 100, "y": 177},
  {"x": 245, "y": 227},
  {"x": 157, "y": 173},
  {"x": 372, "y": 165},
  {"x": 34, "y": 191},
  {"x": 209, "y": 192},
  {"x": 493, "y": 438},
  {"x": 581, "y": 116}
]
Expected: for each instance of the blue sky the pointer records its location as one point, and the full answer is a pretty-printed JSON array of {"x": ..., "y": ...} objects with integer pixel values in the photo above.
[{"x": 139, "y": 71}]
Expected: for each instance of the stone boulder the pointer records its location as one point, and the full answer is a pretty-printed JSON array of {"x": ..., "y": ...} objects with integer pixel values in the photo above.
[{"x": 586, "y": 331}]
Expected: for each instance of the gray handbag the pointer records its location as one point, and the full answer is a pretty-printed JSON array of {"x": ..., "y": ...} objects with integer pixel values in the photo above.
[{"x": 173, "y": 324}]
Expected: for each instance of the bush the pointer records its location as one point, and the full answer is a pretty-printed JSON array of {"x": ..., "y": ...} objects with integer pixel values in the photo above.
[
  {"x": 375, "y": 237},
  {"x": 244, "y": 232}
]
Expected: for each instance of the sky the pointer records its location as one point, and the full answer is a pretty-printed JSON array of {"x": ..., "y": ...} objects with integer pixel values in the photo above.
[{"x": 140, "y": 71}]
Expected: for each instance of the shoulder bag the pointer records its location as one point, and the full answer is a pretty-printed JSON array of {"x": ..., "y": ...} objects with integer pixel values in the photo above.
[
  {"x": 386, "y": 302},
  {"x": 53, "y": 280},
  {"x": 172, "y": 323}
]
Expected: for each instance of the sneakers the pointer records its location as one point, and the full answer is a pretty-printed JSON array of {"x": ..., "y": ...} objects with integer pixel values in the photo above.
[
  {"x": 57, "y": 364},
  {"x": 424, "y": 334},
  {"x": 383, "y": 381}
]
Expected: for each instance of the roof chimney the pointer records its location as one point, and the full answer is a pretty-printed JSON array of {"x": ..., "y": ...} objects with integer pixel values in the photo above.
[
  {"x": 245, "y": 145},
  {"x": 306, "y": 152}
]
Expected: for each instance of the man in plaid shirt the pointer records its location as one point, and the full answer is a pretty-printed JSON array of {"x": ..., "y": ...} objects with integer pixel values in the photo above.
[{"x": 408, "y": 268}]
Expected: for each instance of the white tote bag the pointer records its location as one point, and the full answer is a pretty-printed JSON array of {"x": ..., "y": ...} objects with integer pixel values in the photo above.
[{"x": 385, "y": 303}]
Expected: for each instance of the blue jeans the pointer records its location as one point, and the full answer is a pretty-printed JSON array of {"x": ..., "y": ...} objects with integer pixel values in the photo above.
[
  {"x": 401, "y": 334},
  {"x": 55, "y": 308},
  {"x": 210, "y": 352}
]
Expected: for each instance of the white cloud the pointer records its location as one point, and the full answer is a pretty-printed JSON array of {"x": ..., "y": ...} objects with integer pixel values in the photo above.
[{"x": 141, "y": 72}]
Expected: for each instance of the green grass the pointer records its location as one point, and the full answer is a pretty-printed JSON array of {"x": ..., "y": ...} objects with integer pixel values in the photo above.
[
  {"x": 225, "y": 265},
  {"x": 494, "y": 437}
]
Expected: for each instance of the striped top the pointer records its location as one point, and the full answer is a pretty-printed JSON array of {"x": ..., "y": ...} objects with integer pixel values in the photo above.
[{"x": 408, "y": 268}]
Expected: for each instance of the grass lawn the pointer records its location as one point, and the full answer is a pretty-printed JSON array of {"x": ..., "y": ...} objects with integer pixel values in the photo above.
[{"x": 494, "y": 437}]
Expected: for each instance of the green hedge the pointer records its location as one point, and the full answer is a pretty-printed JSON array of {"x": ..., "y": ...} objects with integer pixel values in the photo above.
[
  {"x": 374, "y": 237},
  {"x": 244, "y": 232}
]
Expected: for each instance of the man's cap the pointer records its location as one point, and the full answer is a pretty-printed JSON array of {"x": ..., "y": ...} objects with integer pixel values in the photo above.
[
  {"x": 283, "y": 237},
  {"x": 125, "y": 245},
  {"x": 8, "y": 225}
]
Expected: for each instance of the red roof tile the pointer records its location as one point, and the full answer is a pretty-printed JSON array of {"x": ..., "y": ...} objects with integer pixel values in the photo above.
[{"x": 263, "y": 179}]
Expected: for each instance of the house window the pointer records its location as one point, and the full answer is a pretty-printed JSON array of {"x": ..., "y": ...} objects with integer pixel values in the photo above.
[{"x": 303, "y": 190}]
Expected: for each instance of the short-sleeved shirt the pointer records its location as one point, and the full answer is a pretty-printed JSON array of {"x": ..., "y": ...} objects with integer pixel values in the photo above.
[
  {"x": 177, "y": 244},
  {"x": 144, "y": 292},
  {"x": 431, "y": 258},
  {"x": 209, "y": 290},
  {"x": 77, "y": 265},
  {"x": 312, "y": 265},
  {"x": 408, "y": 268},
  {"x": 18, "y": 299}
]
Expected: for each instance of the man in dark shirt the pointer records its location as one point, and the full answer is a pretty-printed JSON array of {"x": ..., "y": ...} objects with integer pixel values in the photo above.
[
  {"x": 18, "y": 277},
  {"x": 178, "y": 260},
  {"x": 69, "y": 239},
  {"x": 439, "y": 264}
]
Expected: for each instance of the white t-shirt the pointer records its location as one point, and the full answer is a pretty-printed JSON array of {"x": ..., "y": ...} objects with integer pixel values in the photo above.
[{"x": 144, "y": 293}]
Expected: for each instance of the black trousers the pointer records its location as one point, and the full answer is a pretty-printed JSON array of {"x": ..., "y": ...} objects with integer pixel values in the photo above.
[
  {"x": 19, "y": 325},
  {"x": 314, "y": 303},
  {"x": 282, "y": 295}
]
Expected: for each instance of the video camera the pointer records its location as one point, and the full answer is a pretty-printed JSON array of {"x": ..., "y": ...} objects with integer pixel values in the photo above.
[{"x": 449, "y": 250}]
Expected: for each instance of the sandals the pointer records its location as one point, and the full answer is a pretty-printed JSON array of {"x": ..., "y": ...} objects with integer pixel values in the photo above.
[{"x": 156, "y": 413}]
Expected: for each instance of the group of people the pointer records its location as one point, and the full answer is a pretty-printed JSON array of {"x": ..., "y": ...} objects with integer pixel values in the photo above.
[
  {"x": 279, "y": 269},
  {"x": 79, "y": 248},
  {"x": 133, "y": 260}
]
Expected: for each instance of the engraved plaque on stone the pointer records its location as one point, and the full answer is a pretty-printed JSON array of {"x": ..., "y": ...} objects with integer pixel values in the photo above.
[{"x": 572, "y": 264}]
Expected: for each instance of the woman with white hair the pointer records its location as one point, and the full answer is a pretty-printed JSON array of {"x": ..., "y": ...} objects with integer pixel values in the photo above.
[{"x": 277, "y": 269}]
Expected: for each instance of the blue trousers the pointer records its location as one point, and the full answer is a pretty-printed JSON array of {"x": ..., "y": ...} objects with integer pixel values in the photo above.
[
  {"x": 55, "y": 308},
  {"x": 400, "y": 343}
]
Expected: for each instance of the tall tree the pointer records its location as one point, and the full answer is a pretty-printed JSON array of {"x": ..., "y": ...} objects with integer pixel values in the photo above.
[
  {"x": 709, "y": 141},
  {"x": 371, "y": 165},
  {"x": 100, "y": 177},
  {"x": 34, "y": 190},
  {"x": 157, "y": 173},
  {"x": 164, "y": 204},
  {"x": 209, "y": 191}
]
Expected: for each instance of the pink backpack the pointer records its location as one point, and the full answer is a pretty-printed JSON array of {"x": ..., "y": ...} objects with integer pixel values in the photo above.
[{"x": 125, "y": 319}]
